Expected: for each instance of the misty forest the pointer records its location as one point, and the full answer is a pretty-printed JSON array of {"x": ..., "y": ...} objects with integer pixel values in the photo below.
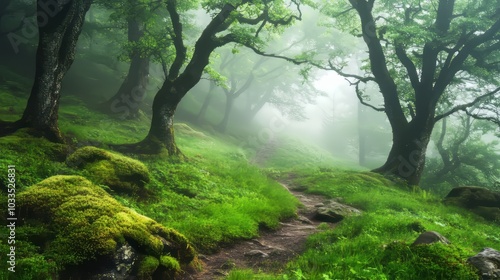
[{"x": 267, "y": 139}]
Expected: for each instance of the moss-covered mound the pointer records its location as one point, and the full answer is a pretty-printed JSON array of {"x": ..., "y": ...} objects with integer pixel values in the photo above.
[
  {"x": 186, "y": 130},
  {"x": 426, "y": 261},
  {"x": 83, "y": 223},
  {"x": 118, "y": 172}
]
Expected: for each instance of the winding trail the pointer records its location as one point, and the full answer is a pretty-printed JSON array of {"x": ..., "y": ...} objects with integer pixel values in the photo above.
[{"x": 270, "y": 252}]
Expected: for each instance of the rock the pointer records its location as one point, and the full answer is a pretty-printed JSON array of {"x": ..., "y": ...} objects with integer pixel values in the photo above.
[
  {"x": 489, "y": 213},
  {"x": 305, "y": 220},
  {"x": 482, "y": 201},
  {"x": 119, "y": 173},
  {"x": 333, "y": 212},
  {"x": 430, "y": 237},
  {"x": 471, "y": 197},
  {"x": 256, "y": 253},
  {"x": 488, "y": 263},
  {"x": 91, "y": 233},
  {"x": 124, "y": 260}
]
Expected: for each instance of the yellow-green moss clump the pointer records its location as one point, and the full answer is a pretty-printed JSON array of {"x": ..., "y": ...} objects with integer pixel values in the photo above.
[
  {"x": 147, "y": 267},
  {"x": 185, "y": 129},
  {"x": 87, "y": 223},
  {"x": 118, "y": 172},
  {"x": 170, "y": 263}
]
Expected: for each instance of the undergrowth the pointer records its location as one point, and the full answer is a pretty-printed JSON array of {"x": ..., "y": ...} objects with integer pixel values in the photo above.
[
  {"x": 377, "y": 244},
  {"x": 216, "y": 196},
  {"x": 213, "y": 197}
]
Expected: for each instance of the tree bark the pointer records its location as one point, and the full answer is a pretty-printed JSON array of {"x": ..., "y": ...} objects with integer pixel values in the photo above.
[
  {"x": 126, "y": 101},
  {"x": 59, "y": 27},
  {"x": 161, "y": 132},
  {"x": 406, "y": 158},
  {"x": 177, "y": 83}
]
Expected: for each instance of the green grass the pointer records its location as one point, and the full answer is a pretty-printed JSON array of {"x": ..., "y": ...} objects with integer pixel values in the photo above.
[
  {"x": 392, "y": 213},
  {"x": 216, "y": 196}
]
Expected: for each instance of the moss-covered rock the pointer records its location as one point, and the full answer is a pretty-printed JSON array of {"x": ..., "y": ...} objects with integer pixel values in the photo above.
[
  {"x": 88, "y": 224},
  {"x": 426, "y": 261},
  {"x": 120, "y": 173}
]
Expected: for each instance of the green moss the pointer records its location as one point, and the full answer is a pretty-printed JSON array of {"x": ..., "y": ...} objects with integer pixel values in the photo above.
[
  {"x": 88, "y": 223},
  {"x": 186, "y": 130},
  {"x": 170, "y": 263},
  {"x": 118, "y": 172},
  {"x": 35, "y": 158},
  {"x": 147, "y": 267},
  {"x": 434, "y": 261}
]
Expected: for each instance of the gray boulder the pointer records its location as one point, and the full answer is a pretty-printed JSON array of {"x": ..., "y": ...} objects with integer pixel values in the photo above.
[
  {"x": 488, "y": 263},
  {"x": 482, "y": 201},
  {"x": 430, "y": 237},
  {"x": 333, "y": 211}
]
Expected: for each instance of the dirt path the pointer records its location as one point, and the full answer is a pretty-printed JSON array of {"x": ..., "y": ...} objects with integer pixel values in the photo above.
[{"x": 270, "y": 252}]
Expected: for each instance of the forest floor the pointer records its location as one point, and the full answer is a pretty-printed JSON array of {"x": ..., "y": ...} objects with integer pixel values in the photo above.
[{"x": 270, "y": 252}]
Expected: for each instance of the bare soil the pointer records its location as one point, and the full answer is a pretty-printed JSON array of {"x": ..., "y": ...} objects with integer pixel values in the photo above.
[{"x": 270, "y": 252}]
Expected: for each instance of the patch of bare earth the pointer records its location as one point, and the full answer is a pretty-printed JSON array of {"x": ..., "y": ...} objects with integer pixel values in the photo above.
[{"x": 270, "y": 252}]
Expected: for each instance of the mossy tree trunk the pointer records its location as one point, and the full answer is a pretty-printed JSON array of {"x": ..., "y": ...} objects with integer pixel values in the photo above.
[{"x": 59, "y": 28}]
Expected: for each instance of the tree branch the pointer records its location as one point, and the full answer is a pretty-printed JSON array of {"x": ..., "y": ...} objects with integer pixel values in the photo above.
[
  {"x": 378, "y": 65},
  {"x": 485, "y": 118},
  {"x": 447, "y": 75},
  {"x": 465, "y": 106},
  {"x": 180, "y": 49},
  {"x": 359, "y": 94},
  {"x": 408, "y": 64}
]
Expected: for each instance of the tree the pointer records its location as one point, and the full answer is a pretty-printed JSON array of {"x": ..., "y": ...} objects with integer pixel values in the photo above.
[
  {"x": 59, "y": 25},
  {"x": 465, "y": 156},
  {"x": 141, "y": 18},
  {"x": 232, "y": 23},
  {"x": 419, "y": 54}
]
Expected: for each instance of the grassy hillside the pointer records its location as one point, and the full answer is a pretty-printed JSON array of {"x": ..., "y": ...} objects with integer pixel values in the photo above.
[
  {"x": 223, "y": 193},
  {"x": 376, "y": 245},
  {"x": 214, "y": 197}
]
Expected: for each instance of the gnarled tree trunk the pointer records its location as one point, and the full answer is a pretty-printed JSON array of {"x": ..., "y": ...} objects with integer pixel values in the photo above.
[
  {"x": 59, "y": 27},
  {"x": 406, "y": 159}
]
